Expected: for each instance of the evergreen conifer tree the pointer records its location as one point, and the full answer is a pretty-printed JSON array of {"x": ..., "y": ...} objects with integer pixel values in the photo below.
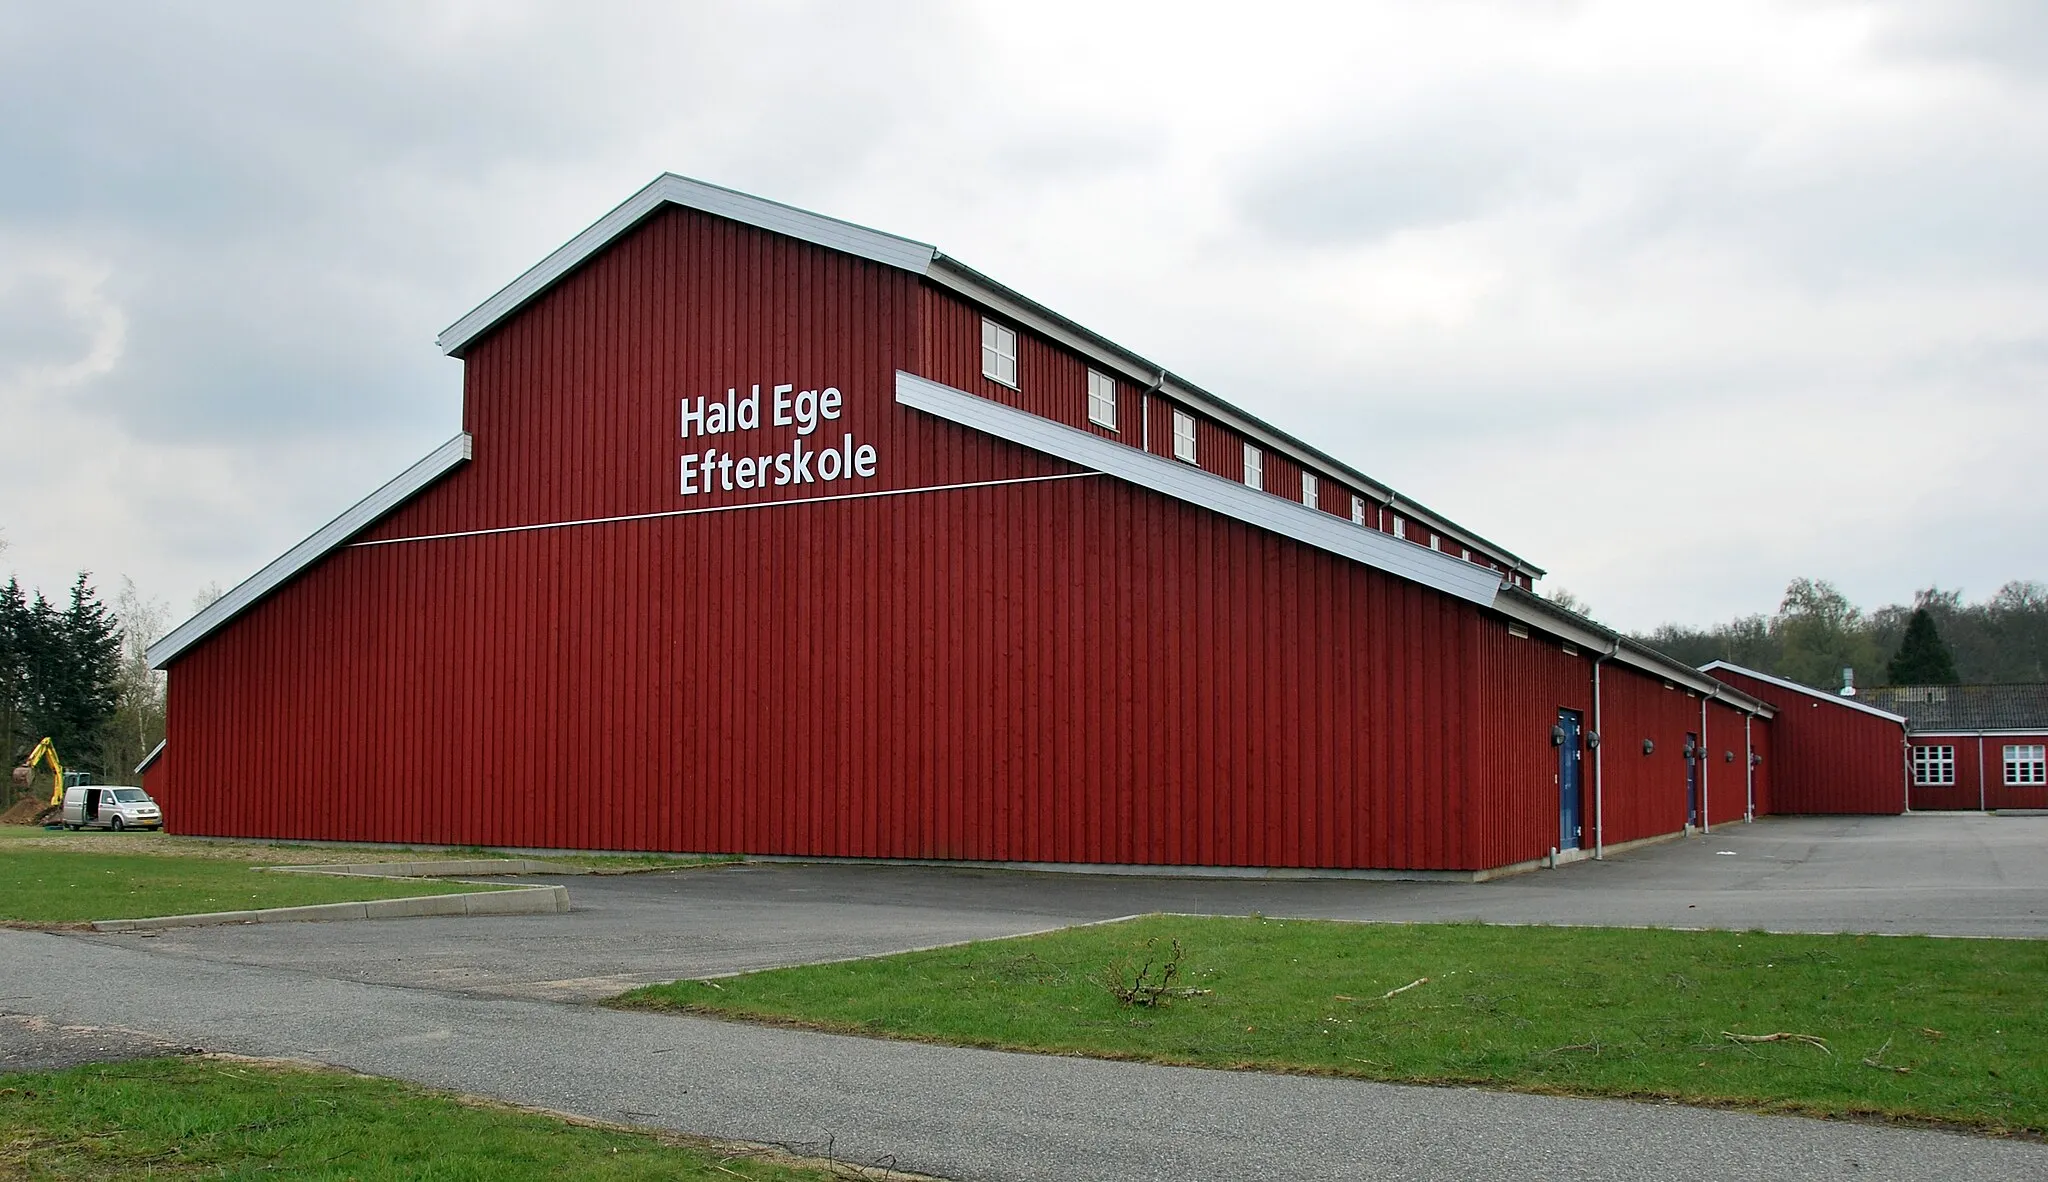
[{"x": 1922, "y": 658}]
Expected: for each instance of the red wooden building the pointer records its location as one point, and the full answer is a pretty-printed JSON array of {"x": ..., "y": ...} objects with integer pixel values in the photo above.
[
  {"x": 1834, "y": 754},
  {"x": 1974, "y": 746},
  {"x": 771, "y": 534}
]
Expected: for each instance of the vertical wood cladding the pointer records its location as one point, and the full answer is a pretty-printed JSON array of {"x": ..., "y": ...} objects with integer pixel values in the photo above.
[
  {"x": 1076, "y": 670},
  {"x": 1979, "y": 774},
  {"x": 1060, "y": 668},
  {"x": 1828, "y": 757}
]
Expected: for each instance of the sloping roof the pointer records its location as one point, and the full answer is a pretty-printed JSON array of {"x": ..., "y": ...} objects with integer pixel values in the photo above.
[
  {"x": 151, "y": 757},
  {"x": 1837, "y": 699},
  {"x": 1935, "y": 708},
  {"x": 359, "y": 517},
  {"x": 925, "y": 261}
]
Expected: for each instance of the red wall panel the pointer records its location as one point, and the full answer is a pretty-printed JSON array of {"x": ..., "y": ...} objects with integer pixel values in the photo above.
[
  {"x": 1980, "y": 774},
  {"x": 1828, "y": 757},
  {"x": 975, "y": 652}
]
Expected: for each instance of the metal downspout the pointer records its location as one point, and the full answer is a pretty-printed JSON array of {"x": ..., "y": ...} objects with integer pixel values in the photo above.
[
  {"x": 1706, "y": 826},
  {"x": 1145, "y": 412},
  {"x": 1599, "y": 767},
  {"x": 1748, "y": 770}
]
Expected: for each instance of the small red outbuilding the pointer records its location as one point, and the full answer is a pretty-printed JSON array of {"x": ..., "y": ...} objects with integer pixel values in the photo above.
[{"x": 1834, "y": 754}]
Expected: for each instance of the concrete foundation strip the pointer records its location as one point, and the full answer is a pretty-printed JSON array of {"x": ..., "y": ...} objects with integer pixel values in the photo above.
[{"x": 525, "y": 900}]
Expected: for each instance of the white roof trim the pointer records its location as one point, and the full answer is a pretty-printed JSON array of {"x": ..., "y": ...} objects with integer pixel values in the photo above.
[
  {"x": 1418, "y": 564},
  {"x": 1596, "y": 640},
  {"x": 151, "y": 757},
  {"x": 2005, "y": 733},
  {"x": 670, "y": 189},
  {"x": 365, "y": 513},
  {"x": 1822, "y": 694}
]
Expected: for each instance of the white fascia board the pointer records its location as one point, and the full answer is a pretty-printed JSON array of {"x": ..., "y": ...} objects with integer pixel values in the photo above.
[
  {"x": 1822, "y": 694},
  {"x": 361, "y": 516},
  {"x": 1183, "y": 482},
  {"x": 670, "y": 189},
  {"x": 958, "y": 277},
  {"x": 2007, "y": 733},
  {"x": 151, "y": 757},
  {"x": 1596, "y": 641}
]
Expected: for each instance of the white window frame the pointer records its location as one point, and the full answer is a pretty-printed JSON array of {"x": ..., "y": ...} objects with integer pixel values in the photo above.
[
  {"x": 1436, "y": 542},
  {"x": 1101, "y": 399},
  {"x": 1254, "y": 466},
  {"x": 1308, "y": 489},
  {"x": 1357, "y": 509},
  {"x": 999, "y": 353},
  {"x": 1400, "y": 527},
  {"x": 1934, "y": 765},
  {"x": 1184, "y": 436},
  {"x": 2026, "y": 764}
]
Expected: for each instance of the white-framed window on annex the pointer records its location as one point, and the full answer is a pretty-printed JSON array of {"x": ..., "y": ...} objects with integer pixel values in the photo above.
[
  {"x": 2026, "y": 764},
  {"x": 1254, "y": 466},
  {"x": 1308, "y": 489},
  {"x": 1357, "y": 509},
  {"x": 1184, "y": 436},
  {"x": 998, "y": 353},
  {"x": 1934, "y": 765},
  {"x": 1102, "y": 400}
]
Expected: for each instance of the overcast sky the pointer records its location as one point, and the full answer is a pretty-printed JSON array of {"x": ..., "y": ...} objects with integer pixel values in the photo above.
[{"x": 1679, "y": 301}]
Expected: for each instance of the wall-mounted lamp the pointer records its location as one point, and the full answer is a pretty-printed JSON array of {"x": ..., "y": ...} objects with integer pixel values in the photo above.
[
  {"x": 1557, "y": 736},
  {"x": 1648, "y": 746},
  {"x": 1593, "y": 740},
  {"x": 1755, "y": 759},
  {"x": 1691, "y": 752},
  {"x": 1731, "y": 757}
]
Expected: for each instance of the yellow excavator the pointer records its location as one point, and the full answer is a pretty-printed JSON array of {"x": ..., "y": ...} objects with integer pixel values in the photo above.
[{"x": 46, "y": 753}]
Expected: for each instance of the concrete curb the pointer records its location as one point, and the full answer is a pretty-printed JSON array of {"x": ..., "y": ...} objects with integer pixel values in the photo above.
[
  {"x": 445, "y": 868},
  {"x": 533, "y": 900}
]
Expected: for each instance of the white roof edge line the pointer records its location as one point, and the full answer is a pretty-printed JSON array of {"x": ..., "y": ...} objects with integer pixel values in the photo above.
[
  {"x": 1629, "y": 654},
  {"x": 314, "y": 547},
  {"x": 151, "y": 757},
  {"x": 1837, "y": 699},
  {"x": 670, "y": 189},
  {"x": 959, "y": 277},
  {"x": 1368, "y": 547}
]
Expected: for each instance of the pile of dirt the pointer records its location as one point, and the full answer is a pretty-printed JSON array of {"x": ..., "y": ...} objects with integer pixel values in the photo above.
[{"x": 29, "y": 810}]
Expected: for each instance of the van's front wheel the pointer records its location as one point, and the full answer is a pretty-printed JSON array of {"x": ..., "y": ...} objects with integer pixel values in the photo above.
[{"x": 117, "y": 823}]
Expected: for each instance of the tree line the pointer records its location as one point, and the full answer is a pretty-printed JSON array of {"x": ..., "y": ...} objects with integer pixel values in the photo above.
[
  {"x": 1937, "y": 639},
  {"x": 74, "y": 671}
]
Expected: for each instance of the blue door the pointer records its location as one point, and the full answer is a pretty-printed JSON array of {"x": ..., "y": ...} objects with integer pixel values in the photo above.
[
  {"x": 1693, "y": 754},
  {"x": 1570, "y": 794}
]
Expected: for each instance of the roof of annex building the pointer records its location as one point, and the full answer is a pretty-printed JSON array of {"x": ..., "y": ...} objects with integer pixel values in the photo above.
[
  {"x": 1934, "y": 709},
  {"x": 1771, "y": 679}
]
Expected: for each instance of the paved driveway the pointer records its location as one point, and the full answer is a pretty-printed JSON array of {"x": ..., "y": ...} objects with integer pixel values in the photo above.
[
  {"x": 1950, "y": 874},
  {"x": 476, "y": 1005}
]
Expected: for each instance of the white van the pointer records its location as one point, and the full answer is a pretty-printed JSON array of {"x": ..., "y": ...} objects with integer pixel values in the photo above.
[{"x": 110, "y": 806}]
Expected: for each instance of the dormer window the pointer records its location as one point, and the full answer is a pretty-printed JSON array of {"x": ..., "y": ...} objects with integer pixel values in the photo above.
[
  {"x": 1183, "y": 436},
  {"x": 1308, "y": 489},
  {"x": 1254, "y": 466},
  {"x": 999, "y": 353},
  {"x": 1101, "y": 400}
]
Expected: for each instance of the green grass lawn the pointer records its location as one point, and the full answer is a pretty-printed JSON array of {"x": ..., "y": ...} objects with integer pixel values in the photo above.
[
  {"x": 191, "y": 1118},
  {"x": 63, "y": 886},
  {"x": 1946, "y": 1031}
]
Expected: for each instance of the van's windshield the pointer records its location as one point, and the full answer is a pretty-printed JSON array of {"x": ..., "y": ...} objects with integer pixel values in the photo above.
[{"x": 131, "y": 796}]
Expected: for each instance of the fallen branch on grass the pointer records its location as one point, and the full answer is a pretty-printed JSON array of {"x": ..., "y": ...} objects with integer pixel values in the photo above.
[
  {"x": 1405, "y": 988},
  {"x": 1872, "y": 1060},
  {"x": 1140, "y": 988},
  {"x": 1781, "y": 1036}
]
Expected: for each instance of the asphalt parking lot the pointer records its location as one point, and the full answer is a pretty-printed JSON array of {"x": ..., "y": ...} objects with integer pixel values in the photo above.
[{"x": 1948, "y": 874}]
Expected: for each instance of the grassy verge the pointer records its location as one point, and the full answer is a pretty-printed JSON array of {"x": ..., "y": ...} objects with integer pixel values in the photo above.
[
  {"x": 61, "y": 886},
  {"x": 185, "y": 1118},
  {"x": 1952, "y": 1032},
  {"x": 285, "y": 853}
]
